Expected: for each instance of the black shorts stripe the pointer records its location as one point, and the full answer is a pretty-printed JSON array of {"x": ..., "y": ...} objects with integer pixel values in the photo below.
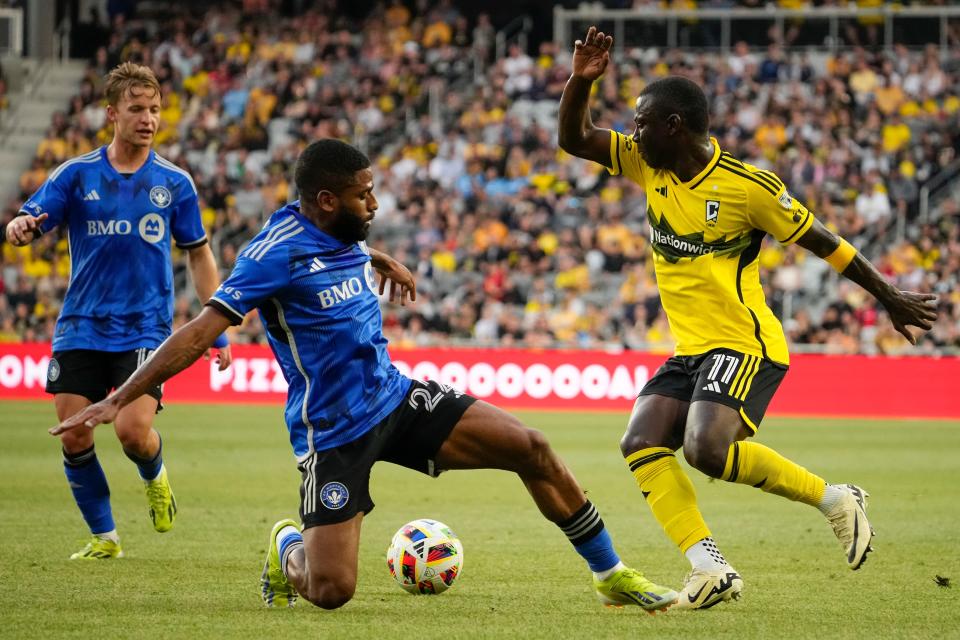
[
  {"x": 639, "y": 462},
  {"x": 744, "y": 174},
  {"x": 687, "y": 378}
]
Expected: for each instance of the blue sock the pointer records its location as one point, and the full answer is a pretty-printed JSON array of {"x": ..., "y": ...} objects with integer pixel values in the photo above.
[
  {"x": 589, "y": 537},
  {"x": 287, "y": 541},
  {"x": 90, "y": 490},
  {"x": 149, "y": 468}
]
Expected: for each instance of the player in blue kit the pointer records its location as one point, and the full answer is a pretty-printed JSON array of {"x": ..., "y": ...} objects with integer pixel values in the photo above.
[
  {"x": 310, "y": 275},
  {"x": 121, "y": 204}
]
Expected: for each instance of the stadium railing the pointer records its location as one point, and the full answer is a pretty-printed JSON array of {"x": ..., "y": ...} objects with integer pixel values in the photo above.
[
  {"x": 11, "y": 32},
  {"x": 937, "y": 189},
  {"x": 721, "y": 28}
]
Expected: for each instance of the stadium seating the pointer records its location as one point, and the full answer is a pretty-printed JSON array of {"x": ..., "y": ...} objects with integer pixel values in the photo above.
[{"x": 515, "y": 242}]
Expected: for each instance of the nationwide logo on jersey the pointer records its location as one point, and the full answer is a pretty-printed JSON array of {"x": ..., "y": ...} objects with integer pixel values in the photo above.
[
  {"x": 334, "y": 495},
  {"x": 673, "y": 246},
  {"x": 160, "y": 196},
  {"x": 713, "y": 212},
  {"x": 152, "y": 228}
]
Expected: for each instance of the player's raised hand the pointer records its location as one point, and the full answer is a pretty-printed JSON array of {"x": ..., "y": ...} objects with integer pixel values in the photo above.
[
  {"x": 591, "y": 55},
  {"x": 911, "y": 309},
  {"x": 102, "y": 412},
  {"x": 23, "y": 229},
  {"x": 402, "y": 283}
]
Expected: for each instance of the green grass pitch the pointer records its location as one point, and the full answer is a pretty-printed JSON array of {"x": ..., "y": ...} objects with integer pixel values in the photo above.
[{"x": 234, "y": 475}]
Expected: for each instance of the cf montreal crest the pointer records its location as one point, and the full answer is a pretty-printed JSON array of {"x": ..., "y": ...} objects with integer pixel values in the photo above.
[
  {"x": 160, "y": 196},
  {"x": 53, "y": 370},
  {"x": 334, "y": 495}
]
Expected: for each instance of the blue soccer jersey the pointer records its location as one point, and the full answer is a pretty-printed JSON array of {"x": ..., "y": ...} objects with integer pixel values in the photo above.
[
  {"x": 317, "y": 298},
  {"x": 119, "y": 228}
]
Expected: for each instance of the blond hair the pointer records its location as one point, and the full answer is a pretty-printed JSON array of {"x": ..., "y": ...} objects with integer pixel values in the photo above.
[{"x": 125, "y": 77}]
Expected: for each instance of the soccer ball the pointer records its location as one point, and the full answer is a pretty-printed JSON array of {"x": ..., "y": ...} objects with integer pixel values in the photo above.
[{"x": 425, "y": 556}]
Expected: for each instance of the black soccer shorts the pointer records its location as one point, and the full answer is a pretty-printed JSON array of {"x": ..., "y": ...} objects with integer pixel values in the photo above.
[
  {"x": 94, "y": 374},
  {"x": 741, "y": 381},
  {"x": 335, "y": 483}
]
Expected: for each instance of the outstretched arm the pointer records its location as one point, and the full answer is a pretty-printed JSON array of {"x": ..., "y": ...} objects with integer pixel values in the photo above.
[
  {"x": 906, "y": 308},
  {"x": 577, "y": 134},
  {"x": 203, "y": 268},
  {"x": 23, "y": 229},
  {"x": 177, "y": 352}
]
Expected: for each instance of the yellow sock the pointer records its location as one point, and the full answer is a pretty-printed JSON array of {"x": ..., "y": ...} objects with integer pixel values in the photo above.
[
  {"x": 670, "y": 495},
  {"x": 762, "y": 467}
]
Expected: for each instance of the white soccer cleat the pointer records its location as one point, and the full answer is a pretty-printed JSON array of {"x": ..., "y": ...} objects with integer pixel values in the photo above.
[
  {"x": 703, "y": 589},
  {"x": 849, "y": 521}
]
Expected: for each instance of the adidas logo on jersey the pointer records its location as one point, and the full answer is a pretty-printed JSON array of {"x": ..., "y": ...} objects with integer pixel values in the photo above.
[
  {"x": 713, "y": 386},
  {"x": 316, "y": 265},
  {"x": 93, "y": 195},
  {"x": 662, "y": 190}
]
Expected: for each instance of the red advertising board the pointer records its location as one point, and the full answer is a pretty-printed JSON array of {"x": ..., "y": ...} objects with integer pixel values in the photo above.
[{"x": 556, "y": 380}]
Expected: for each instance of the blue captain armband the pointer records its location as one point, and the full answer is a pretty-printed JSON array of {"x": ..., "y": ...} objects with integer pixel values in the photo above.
[{"x": 221, "y": 341}]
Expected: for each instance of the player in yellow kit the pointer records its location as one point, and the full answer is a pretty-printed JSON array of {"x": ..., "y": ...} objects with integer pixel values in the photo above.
[{"x": 708, "y": 214}]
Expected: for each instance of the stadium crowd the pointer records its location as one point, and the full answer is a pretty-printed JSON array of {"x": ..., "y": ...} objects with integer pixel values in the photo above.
[{"x": 515, "y": 242}]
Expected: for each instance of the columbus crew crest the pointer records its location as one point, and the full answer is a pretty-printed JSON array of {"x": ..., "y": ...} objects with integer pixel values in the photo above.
[{"x": 713, "y": 213}]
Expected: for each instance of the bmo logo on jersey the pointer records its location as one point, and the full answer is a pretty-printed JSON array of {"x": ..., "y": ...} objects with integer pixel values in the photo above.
[
  {"x": 340, "y": 292},
  {"x": 109, "y": 227},
  {"x": 152, "y": 228}
]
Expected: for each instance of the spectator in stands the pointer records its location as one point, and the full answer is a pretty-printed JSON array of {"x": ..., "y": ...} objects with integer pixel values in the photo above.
[{"x": 882, "y": 124}]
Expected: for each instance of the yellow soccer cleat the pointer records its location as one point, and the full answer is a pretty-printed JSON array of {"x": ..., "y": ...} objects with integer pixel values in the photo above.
[
  {"x": 274, "y": 586},
  {"x": 704, "y": 589},
  {"x": 163, "y": 506},
  {"x": 849, "y": 521},
  {"x": 628, "y": 586},
  {"x": 99, "y": 549}
]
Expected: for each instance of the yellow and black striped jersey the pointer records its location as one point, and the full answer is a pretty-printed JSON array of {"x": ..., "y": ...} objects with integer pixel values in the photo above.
[{"x": 706, "y": 235}]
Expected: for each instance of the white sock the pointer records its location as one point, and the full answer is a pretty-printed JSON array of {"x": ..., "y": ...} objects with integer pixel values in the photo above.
[
  {"x": 285, "y": 533},
  {"x": 705, "y": 555},
  {"x": 603, "y": 575},
  {"x": 831, "y": 495},
  {"x": 109, "y": 535}
]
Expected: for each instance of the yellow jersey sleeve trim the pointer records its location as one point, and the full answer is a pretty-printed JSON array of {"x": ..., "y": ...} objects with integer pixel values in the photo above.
[
  {"x": 805, "y": 224},
  {"x": 615, "y": 168}
]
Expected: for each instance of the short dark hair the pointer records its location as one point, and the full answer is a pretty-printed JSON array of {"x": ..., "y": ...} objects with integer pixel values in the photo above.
[
  {"x": 676, "y": 94},
  {"x": 327, "y": 164}
]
